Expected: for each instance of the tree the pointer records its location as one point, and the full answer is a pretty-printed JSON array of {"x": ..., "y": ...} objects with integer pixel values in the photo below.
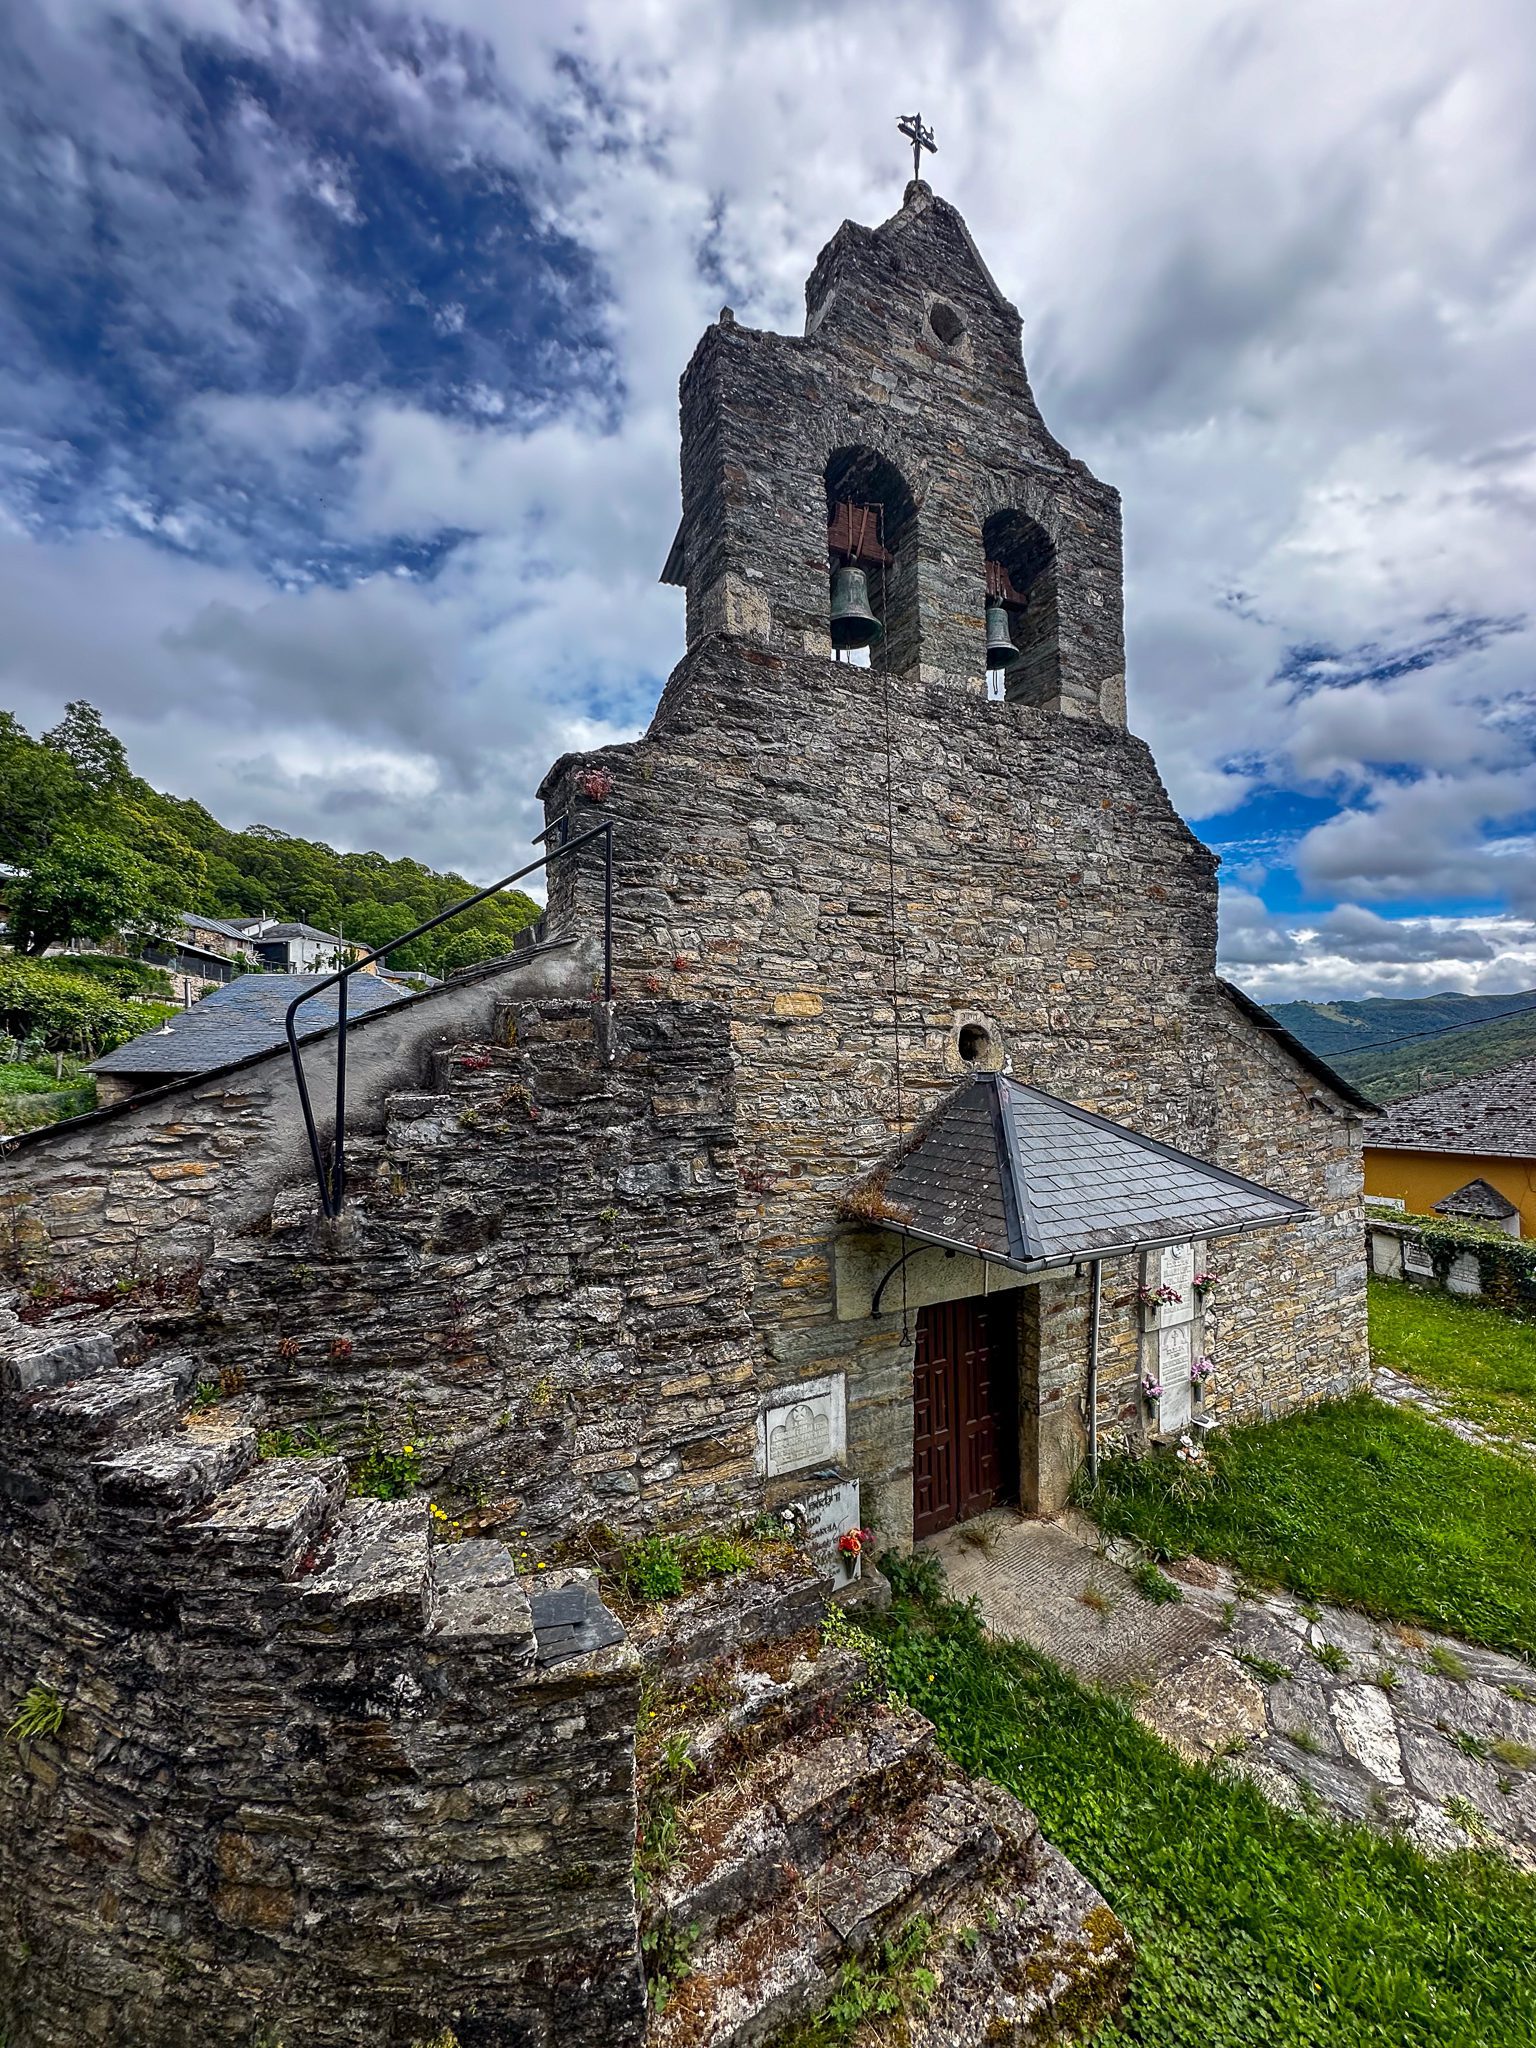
[
  {"x": 40, "y": 792},
  {"x": 88, "y": 885},
  {"x": 95, "y": 753}
]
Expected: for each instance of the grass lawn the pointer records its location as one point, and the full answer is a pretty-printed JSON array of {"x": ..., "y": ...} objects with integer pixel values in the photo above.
[
  {"x": 1356, "y": 1502},
  {"x": 1254, "y": 1928},
  {"x": 1482, "y": 1361}
]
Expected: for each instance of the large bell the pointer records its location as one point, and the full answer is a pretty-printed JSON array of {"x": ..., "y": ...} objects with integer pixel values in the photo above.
[
  {"x": 853, "y": 623},
  {"x": 1001, "y": 652}
]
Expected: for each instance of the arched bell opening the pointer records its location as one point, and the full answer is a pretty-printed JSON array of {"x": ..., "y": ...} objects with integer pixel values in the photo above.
[
  {"x": 1022, "y": 608},
  {"x": 871, "y": 561}
]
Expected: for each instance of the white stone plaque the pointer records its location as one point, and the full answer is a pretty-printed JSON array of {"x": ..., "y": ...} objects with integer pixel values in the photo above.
[
  {"x": 802, "y": 1426},
  {"x": 1177, "y": 1270},
  {"x": 1174, "y": 1358},
  {"x": 1416, "y": 1258},
  {"x": 828, "y": 1514}
]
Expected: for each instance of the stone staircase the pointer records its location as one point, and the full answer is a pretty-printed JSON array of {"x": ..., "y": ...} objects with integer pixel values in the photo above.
[
  {"x": 793, "y": 1822},
  {"x": 238, "y": 1649}
]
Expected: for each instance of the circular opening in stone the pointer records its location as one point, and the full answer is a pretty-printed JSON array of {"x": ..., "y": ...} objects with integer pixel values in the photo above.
[
  {"x": 975, "y": 1043},
  {"x": 946, "y": 323}
]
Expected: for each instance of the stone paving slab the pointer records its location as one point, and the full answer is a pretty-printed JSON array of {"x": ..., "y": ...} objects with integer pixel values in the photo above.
[
  {"x": 1399, "y": 1391},
  {"x": 1324, "y": 1709}
]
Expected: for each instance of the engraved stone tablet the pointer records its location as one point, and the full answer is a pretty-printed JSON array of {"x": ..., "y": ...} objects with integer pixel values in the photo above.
[
  {"x": 802, "y": 1426},
  {"x": 1174, "y": 1357},
  {"x": 1415, "y": 1258},
  {"x": 828, "y": 1513},
  {"x": 1178, "y": 1272}
]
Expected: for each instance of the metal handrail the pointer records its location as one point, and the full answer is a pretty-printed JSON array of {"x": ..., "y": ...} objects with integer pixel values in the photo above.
[{"x": 331, "y": 1179}]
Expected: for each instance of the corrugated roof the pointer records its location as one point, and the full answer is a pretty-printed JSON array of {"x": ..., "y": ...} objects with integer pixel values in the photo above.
[
  {"x": 1492, "y": 1114},
  {"x": 1025, "y": 1178},
  {"x": 244, "y": 1017}
]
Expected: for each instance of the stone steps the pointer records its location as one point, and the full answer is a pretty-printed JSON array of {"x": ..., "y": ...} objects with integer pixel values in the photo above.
[
  {"x": 745, "y": 1836},
  {"x": 121, "y": 1406},
  {"x": 811, "y": 1821},
  {"x": 773, "y": 1965}
]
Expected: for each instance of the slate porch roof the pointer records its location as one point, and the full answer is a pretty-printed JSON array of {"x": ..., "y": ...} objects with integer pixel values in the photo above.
[
  {"x": 1477, "y": 1198},
  {"x": 1013, "y": 1173},
  {"x": 243, "y": 1017}
]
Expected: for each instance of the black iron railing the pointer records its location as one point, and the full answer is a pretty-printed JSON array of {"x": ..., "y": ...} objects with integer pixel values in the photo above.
[{"x": 331, "y": 1174}]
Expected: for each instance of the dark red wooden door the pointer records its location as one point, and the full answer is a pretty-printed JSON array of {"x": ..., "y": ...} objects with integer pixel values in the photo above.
[{"x": 963, "y": 1402}]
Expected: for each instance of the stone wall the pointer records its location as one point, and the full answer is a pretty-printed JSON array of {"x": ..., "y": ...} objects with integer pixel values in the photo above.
[
  {"x": 154, "y": 1179},
  {"x": 314, "y": 1780},
  {"x": 537, "y": 1281},
  {"x": 1437, "y": 1252},
  {"x": 1043, "y": 884}
]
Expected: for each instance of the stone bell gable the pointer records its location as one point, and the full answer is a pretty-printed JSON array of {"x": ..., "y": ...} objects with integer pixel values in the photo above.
[{"x": 907, "y": 394}]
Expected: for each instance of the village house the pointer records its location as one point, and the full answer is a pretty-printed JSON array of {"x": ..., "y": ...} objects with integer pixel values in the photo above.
[
  {"x": 1466, "y": 1150},
  {"x": 864, "y": 1139}
]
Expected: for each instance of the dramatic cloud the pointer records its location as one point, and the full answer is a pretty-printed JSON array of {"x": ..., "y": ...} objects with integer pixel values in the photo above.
[{"x": 338, "y": 361}]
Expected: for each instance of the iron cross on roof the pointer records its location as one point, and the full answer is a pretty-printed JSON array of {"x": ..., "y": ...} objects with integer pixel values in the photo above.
[{"x": 921, "y": 138}]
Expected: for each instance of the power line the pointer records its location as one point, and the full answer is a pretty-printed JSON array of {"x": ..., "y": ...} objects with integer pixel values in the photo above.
[{"x": 1437, "y": 1031}]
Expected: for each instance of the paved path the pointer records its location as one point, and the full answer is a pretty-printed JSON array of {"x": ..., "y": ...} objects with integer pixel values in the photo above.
[
  {"x": 1401, "y": 1730},
  {"x": 1402, "y": 1392}
]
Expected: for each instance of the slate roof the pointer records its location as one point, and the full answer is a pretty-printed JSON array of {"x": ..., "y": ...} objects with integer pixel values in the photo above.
[
  {"x": 196, "y": 921},
  {"x": 1029, "y": 1180},
  {"x": 291, "y": 931},
  {"x": 244, "y": 1017},
  {"x": 1477, "y": 1198},
  {"x": 1492, "y": 1114}
]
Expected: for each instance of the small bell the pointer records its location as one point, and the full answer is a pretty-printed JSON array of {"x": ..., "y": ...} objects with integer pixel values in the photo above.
[
  {"x": 853, "y": 623},
  {"x": 1001, "y": 652}
]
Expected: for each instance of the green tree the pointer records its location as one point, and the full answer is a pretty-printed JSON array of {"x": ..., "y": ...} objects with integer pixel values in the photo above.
[
  {"x": 96, "y": 754},
  {"x": 40, "y": 792},
  {"x": 88, "y": 885}
]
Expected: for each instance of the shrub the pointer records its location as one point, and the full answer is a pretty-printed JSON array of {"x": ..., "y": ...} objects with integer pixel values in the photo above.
[
  {"x": 63, "y": 1012},
  {"x": 114, "y": 972}
]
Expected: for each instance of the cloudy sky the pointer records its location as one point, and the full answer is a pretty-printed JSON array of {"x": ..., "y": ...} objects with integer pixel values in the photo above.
[{"x": 338, "y": 359}]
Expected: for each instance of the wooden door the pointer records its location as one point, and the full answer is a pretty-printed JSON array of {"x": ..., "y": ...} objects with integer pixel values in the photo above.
[{"x": 964, "y": 1405}]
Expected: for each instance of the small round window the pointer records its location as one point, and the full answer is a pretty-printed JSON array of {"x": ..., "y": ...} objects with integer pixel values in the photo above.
[
  {"x": 946, "y": 323},
  {"x": 975, "y": 1043}
]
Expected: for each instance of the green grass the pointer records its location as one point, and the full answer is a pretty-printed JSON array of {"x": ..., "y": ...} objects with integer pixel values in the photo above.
[
  {"x": 1482, "y": 1362},
  {"x": 33, "y": 1094},
  {"x": 1358, "y": 1503},
  {"x": 1252, "y": 1926}
]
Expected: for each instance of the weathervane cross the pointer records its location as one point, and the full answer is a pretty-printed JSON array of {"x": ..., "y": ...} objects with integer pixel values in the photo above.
[{"x": 921, "y": 138}]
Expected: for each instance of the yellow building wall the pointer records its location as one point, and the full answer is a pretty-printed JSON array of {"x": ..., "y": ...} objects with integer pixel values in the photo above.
[{"x": 1420, "y": 1179}]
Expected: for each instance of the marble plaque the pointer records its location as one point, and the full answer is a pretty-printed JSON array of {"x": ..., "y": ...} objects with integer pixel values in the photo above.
[
  {"x": 828, "y": 1512},
  {"x": 1177, "y": 1271},
  {"x": 1415, "y": 1258},
  {"x": 1174, "y": 1358},
  {"x": 803, "y": 1426}
]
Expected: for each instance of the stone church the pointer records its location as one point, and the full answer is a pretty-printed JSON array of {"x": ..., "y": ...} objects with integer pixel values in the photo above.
[
  {"x": 1004, "y": 1135},
  {"x": 868, "y": 1141}
]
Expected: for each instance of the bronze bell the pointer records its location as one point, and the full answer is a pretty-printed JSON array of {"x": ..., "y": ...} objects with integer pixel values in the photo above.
[
  {"x": 853, "y": 623},
  {"x": 1001, "y": 652}
]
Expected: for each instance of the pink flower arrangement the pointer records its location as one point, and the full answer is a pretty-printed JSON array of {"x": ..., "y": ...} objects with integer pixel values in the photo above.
[
  {"x": 1157, "y": 1297},
  {"x": 1151, "y": 1389},
  {"x": 1201, "y": 1370}
]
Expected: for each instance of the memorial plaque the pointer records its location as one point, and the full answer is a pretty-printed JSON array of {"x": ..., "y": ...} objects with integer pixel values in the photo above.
[
  {"x": 1416, "y": 1259},
  {"x": 1174, "y": 1358},
  {"x": 1177, "y": 1270},
  {"x": 828, "y": 1514},
  {"x": 803, "y": 1426}
]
